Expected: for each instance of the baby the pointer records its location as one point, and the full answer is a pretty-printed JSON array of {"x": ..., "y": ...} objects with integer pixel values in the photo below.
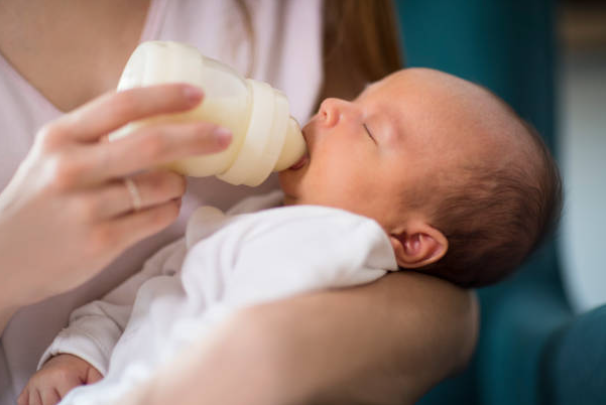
[
  {"x": 423, "y": 171},
  {"x": 462, "y": 186}
]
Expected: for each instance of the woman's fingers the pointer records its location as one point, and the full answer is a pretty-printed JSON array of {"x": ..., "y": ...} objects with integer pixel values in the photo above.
[
  {"x": 114, "y": 199},
  {"x": 146, "y": 148},
  {"x": 156, "y": 145},
  {"x": 153, "y": 188},
  {"x": 113, "y": 110},
  {"x": 127, "y": 230}
]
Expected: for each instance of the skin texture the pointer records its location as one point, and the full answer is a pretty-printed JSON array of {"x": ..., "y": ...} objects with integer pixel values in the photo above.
[
  {"x": 436, "y": 321},
  {"x": 94, "y": 41}
]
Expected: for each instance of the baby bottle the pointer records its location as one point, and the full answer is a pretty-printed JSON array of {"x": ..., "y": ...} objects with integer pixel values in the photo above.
[{"x": 265, "y": 137}]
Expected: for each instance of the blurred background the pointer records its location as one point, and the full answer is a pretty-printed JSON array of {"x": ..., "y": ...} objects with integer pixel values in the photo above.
[
  {"x": 581, "y": 85},
  {"x": 543, "y": 331}
]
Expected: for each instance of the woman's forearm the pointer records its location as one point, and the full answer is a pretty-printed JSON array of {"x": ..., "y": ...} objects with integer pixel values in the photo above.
[{"x": 385, "y": 343}]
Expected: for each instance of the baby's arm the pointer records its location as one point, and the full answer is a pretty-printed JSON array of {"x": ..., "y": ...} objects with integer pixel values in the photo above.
[
  {"x": 318, "y": 248},
  {"x": 291, "y": 251},
  {"x": 81, "y": 352},
  {"x": 268, "y": 256}
]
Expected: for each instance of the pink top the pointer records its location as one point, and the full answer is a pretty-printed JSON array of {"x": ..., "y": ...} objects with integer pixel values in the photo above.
[{"x": 287, "y": 55}]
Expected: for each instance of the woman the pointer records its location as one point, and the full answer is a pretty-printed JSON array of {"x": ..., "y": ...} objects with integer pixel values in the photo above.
[{"x": 74, "y": 207}]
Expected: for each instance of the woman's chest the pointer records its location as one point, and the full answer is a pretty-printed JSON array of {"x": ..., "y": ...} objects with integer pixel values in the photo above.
[{"x": 72, "y": 52}]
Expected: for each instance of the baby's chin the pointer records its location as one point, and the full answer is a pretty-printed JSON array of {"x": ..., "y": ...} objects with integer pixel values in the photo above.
[
  {"x": 290, "y": 200},
  {"x": 289, "y": 183}
]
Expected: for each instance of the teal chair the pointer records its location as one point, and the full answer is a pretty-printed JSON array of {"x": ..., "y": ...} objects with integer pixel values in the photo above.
[{"x": 532, "y": 348}]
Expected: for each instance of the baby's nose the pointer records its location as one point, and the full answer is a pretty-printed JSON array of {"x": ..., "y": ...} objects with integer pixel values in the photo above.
[{"x": 331, "y": 111}]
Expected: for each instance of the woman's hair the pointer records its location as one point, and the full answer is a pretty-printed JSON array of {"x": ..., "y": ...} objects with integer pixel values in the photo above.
[{"x": 360, "y": 44}]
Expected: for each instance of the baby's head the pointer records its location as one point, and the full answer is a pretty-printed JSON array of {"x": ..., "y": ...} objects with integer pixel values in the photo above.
[{"x": 463, "y": 187}]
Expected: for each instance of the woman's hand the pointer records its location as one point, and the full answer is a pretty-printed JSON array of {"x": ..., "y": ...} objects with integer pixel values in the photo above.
[
  {"x": 56, "y": 378},
  {"x": 68, "y": 212}
]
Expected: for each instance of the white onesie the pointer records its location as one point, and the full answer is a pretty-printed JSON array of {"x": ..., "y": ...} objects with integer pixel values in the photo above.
[{"x": 224, "y": 262}]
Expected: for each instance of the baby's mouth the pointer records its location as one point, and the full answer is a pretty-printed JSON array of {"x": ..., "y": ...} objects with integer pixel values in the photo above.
[
  {"x": 301, "y": 162},
  {"x": 305, "y": 158}
]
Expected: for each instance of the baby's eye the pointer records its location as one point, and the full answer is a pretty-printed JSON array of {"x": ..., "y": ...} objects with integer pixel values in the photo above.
[{"x": 369, "y": 133}]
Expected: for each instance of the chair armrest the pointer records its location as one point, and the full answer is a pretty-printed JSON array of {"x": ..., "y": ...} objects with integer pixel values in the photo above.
[{"x": 574, "y": 361}]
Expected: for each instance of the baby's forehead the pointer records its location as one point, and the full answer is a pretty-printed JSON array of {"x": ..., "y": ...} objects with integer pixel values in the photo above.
[
  {"x": 428, "y": 95},
  {"x": 452, "y": 112},
  {"x": 438, "y": 86},
  {"x": 444, "y": 95}
]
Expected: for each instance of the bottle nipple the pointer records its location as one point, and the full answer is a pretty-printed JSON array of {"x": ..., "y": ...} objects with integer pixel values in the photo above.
[{"x": 294, "y": 146}]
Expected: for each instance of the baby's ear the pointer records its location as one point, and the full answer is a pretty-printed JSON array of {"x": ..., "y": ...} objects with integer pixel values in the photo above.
[{"x": 418, "y": 245}]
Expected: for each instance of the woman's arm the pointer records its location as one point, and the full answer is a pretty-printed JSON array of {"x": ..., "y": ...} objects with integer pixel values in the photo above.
[{"x": 384, "y": 343}]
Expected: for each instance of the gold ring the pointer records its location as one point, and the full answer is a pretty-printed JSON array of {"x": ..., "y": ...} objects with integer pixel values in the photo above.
[{"x": 135, "y": 196}]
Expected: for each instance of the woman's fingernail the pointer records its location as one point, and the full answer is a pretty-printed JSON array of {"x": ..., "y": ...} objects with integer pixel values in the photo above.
[
  {"x": 193, "y": 94},
  {"x": 222, "y": 136}
]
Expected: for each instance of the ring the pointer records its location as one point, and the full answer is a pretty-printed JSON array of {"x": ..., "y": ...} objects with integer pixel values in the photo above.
[{"x": 135, "y": 196}]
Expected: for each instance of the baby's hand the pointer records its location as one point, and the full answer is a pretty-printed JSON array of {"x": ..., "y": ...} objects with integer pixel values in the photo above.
[{"x": 56, "y": 378}]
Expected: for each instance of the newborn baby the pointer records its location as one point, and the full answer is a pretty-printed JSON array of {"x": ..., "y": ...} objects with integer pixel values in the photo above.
[
  {"x": 423, "y": 171},
  {"x": 462, "y": 186}
]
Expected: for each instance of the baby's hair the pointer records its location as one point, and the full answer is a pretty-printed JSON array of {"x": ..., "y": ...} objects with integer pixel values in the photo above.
[{"x": 497, "y": 216}]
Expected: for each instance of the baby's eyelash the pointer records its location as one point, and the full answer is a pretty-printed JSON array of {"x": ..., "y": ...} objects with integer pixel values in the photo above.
[{"x": 369, "y": 133}]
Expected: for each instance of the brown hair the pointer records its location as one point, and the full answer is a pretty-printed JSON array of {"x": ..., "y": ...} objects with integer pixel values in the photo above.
[
  {"x": 247, "y": 23},
  {"x": 360, "y": 45},
  {"x": 497, "y": 217}
]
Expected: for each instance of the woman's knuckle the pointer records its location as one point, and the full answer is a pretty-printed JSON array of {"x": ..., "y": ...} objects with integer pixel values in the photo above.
[
  {"x": 64, "y": 172},
  {"x": 48, "y": 136}
]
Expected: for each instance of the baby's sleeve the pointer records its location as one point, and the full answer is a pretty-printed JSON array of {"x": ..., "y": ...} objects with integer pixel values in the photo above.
[
  {"x": 308, "y": 249},
  {"x": 95, "y": 328}
]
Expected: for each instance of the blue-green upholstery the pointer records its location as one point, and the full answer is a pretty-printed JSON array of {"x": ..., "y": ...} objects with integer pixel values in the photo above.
[{"x": 532, "y": 349}]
